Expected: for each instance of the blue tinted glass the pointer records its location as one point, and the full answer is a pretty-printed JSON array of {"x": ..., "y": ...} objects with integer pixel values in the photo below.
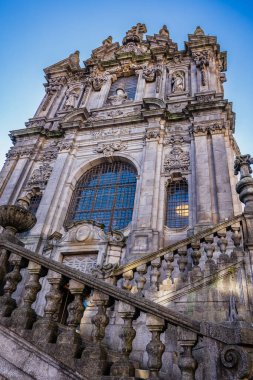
[{"x": 105, "y": 194}]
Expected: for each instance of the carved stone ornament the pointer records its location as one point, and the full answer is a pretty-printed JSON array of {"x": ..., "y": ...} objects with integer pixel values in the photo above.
[
  {"x": 243, "y": 162},
  {"x": 50, "y": 152},
  {"x": 101, "y": 133},
  {"x": 215, "y": 128},
  {"x": 132, "y": 40},
  {"x": 20, "y": 152},
  {"x": 40, "y": 176},
  {"x": 152, "y": 134},
  {"x": 104, "y": 271},
  {"x": 119, "y": 98},
  {"x": 205, "y": 98},
  {"x": 236, "y": 362},
  {"x": 201, "y": 59},
  {"x": 112, "y": 115},
  {"x": 149, "y": 74},
  {"x": 97, "y": 79},
  {"x": 177, "y": 160},
  {"x": 72, "y": 96},
  {"x": 65, "y": 145},
  {"x": 53, "y": 86},
  {"x": 178, "y": 82},
  {"x": 110, "y": 148},
  {"x": 176, "y": 140},
  {"x": 85, "y": 263}
]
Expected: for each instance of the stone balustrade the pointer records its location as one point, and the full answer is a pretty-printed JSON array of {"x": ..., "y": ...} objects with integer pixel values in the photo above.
[{"x": 186, "y": 262}]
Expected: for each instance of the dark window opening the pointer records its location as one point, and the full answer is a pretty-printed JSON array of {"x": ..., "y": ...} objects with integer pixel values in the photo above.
[
  {"x": 105, "y": 194},
  {"x": 177, "y": 213}
]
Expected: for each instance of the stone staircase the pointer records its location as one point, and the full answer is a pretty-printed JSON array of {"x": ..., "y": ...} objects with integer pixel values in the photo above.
[
  {"x": 174, "y": 344},
  {"x": 184, "y": 312}
]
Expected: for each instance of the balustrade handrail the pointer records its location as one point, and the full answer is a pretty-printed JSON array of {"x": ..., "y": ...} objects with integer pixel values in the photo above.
[
  {"x": 113, "y": 291},
  {"x": 147, "y": 258}
]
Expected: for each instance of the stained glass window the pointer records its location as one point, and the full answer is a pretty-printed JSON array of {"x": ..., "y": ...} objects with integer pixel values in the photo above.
[
  {"x": 129, "y": 84},
  {"x": 105, "y": 194},
  {"x": 177, "y": 213}
]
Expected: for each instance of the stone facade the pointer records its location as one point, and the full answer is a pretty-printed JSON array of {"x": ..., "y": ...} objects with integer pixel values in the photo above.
[
  {"x": 162, "y": 111},
  {"x": 177, "y": 123}
]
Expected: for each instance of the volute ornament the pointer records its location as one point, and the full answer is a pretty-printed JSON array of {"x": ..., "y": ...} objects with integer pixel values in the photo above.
[{"x": 235, "y": 361}]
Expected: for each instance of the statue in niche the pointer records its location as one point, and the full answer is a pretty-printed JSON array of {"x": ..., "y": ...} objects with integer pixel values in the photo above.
[
  {"x": 177, "y": 82},
  {"x": 72, "y": 97},
  {"x": 119, "y": 97}
]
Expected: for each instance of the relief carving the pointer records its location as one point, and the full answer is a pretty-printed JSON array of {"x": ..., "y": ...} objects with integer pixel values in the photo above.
[
  {"x": 177, "y": 160},
  {"x": 149, "y": 74},
  {"x": 109, "y": 132},
  {"x": 72, "y": 96},
  {"x": 215, "y": 128},
  {"x": 20, "y": 152},
  {"x": 120, "y": 97},
  {"x": 201, "y": 59},
  {"x": 152, "y": 134},
  {"x": 53, "y": 86},
  {"x": 110, "y": 148},
  {"x": 178, "y": 82},
  {"x": 40, "y": 176}
]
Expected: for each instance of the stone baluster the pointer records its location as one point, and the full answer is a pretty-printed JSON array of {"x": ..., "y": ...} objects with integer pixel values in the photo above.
[
  {"x": 140, "y": 278},
  {"x": 196, "y": 273},
  {"x": 7, "y": 303},
  {"x": 168, "y": 267},
  {"x": 209, "y": 248},
  {"x": 187, "y": 364},
  {"x": 24, "y": 316},
  {"x": 238, "y": 252},
  {"x": 155, "y": 274},
  {"x": 182, "y": 263},
  {"x": 155, "y": 347},
  {"x": 69, "y": 341},
  {"x": 4, "y": 256},
  {"x": 222, "y": 244},
  {"x": 45, "y": 329},
  {"x": 95, "y": 367},
  {"x": 127, "y": 278},
  {"x": 124, "y": 367}
]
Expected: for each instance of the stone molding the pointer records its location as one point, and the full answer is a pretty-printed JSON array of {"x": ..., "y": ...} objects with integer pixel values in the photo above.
[{"x": 204, "y": 129}]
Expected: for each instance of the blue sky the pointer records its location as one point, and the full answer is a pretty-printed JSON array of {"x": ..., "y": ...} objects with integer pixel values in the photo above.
[{"x": 35, "y": 34}]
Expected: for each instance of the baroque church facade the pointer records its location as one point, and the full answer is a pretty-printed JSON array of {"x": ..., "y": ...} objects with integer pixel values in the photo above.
[{"x": 122, "y": 187}]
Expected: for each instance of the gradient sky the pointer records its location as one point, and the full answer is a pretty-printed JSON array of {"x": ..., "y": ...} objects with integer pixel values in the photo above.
[{"x": 35, "y": 34}]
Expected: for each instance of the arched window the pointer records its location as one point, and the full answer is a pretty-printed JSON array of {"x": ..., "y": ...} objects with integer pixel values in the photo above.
[
  {"x": 129, "y": 84},
  {"x": 105, "y": 194},
  {"x": 177, "y": 212}
]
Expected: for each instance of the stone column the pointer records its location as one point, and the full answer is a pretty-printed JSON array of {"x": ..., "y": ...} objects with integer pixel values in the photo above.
[
  {"x": 145, "y": 235},
  {"x": 48, "y": 205},
  {"x": 222, "y": 178},
  {"x": 204, "y": 200}
]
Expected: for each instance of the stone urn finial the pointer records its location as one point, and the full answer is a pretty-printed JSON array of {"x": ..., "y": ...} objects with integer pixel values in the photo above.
[
  {"x": 17, "y": 218},
  {"x": 245, "y": 186}
]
